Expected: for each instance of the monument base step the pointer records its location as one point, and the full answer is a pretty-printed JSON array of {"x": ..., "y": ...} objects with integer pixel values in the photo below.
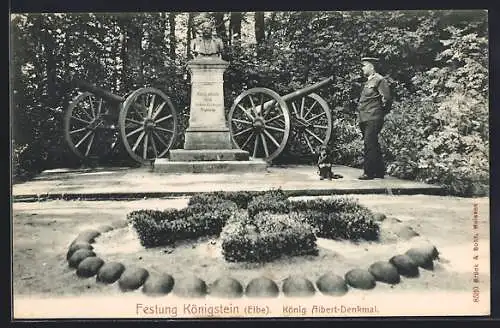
[
  {"x": 167, "y": 166},
  {"x": 203, "y": 155}
]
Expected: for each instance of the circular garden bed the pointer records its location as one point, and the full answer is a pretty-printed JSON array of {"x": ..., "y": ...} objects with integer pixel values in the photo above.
[{"x": 236, "y": 244}]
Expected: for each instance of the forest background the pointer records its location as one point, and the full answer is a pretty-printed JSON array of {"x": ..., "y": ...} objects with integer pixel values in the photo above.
[{"x": 435, "y": 61}]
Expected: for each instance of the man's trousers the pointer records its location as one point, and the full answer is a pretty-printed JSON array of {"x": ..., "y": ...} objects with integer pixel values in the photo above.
[{"x": 373, "y": 160}]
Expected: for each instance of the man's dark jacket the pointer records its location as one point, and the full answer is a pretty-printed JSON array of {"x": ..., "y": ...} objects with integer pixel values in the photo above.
[{"x": 375, "y": 100}]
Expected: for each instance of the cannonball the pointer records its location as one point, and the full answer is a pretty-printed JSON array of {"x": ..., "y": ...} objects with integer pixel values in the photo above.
[
  {"x": 226, "y": 287},
  {"x": 405, "y": 266},
  {"x": 379, "y": 217},
  {"x": 89, "y": 267},
  {"x": 110, "y": 272},
  {"x": 430, "y": 249},
  {"x": 405, "y": 232},
  {"x": 87, "y": 236},
  {"x": 262, "y": 287},
  {"x": 422, "y": 257},
  {"x": 296, "y": 286},
  {"x": 385, "y": 272},
  {"x": 76, "y": 246},
  {"x": 105, "y": 228},
  {"x": 158, "y": 284},
  {"x": 119, "y": 224},
  {"x": 360, "y": 278},
  {"x": 190, "y": 287},
  {"x": 332, "y": 284},
  {"x": 78, "y": 256},
  {"x": 132, "y": 278}
]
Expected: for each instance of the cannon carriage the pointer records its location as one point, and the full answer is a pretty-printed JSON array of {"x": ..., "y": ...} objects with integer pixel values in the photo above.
[
  {"x": 96, "y": 121},
  {"x": 145, "y": 122},
  {"x": 265, "y": 124}
]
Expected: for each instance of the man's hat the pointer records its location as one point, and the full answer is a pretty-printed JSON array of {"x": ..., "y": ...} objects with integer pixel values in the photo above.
[{"x": 372, "y": 60}]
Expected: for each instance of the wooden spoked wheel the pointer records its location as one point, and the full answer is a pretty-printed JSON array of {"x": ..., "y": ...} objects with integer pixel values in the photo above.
[
  {"x": 311, "y": 125},
  {"x": 148, "y": 124},
  {"x": 88, "y": 128},
  {"x": 259, "y": 123}
]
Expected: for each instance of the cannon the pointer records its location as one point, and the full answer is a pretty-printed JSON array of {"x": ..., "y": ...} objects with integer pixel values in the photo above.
[
  {"x": 145, "y": 122},
  {"x": 261, "y": 123}
]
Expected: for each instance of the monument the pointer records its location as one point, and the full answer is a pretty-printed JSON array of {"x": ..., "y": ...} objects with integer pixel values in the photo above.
[{"x": 208, "y": 146}]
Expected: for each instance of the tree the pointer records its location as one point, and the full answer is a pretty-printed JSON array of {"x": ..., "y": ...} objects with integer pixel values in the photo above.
[
  {"x": 172, "y": 39},
  {"x": 235, "y": 26},
  {"x": 259, "y": 27}
]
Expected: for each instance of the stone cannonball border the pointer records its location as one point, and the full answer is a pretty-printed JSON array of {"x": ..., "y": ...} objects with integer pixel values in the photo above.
[{"x": 196, "y": 287}]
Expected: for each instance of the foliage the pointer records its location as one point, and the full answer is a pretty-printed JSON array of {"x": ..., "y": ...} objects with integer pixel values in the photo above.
[
  {"x": 240, "y": 198},
  {"x": 157, "y": 228},
  {"x": 272, "y": 202},
  {"x": 338, "y": 218},
  {"x": 275, "y": 236}
]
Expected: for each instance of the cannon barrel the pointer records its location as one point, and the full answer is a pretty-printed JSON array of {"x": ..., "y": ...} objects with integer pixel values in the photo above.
[
  {"x": 307, "y": 90},
  {"x": 297, "y": 94},
  {"x": 106, "y": 95}
]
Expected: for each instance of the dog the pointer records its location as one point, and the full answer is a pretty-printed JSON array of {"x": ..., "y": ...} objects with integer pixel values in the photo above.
[{"x": 325, "y": 164}]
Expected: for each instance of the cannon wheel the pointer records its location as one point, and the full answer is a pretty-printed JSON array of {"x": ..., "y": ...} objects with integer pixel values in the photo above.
[
  {"x": 148, "y": 124},
  {"x": 263, "y": 134},
  {"x": 88, "y": 130},
  {"x": 311, "y": 125}
]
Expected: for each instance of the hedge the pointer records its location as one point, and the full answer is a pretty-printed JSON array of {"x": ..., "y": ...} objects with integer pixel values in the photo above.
[
  {"x": 268, "y": 237},
  {"x": 241, "y": 198},
  {"x": 273, "y": 203},
  {"x": 157, "y": 228}
]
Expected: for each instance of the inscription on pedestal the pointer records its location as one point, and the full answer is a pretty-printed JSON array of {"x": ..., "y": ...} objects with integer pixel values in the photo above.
[{"x": 208, "y": 101}]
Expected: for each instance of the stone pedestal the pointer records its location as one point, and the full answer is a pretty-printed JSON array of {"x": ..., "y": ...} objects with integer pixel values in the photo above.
[
  {"x": 208, "y": 147},
  {"x": 207, "y": 123}
]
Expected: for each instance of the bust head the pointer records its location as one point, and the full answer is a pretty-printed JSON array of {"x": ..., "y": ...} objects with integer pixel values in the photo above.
[{"x": 206, "y": 30}]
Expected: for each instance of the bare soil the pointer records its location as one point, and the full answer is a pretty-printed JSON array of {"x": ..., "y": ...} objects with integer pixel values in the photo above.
[{"x": 42, "y": 232}]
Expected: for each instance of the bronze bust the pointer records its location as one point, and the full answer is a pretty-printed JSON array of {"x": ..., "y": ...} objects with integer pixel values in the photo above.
[{"x": 207, "y": 45}]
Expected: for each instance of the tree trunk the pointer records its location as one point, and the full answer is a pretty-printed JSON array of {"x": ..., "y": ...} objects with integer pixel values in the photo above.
[
  {"x": 259, "y": 27},
  {"x": 271, "y": 25},
  {"x": 172, "y": 39},
  {"x": 235, "y": 26},
  {"x": 50, "y": 65},
  {"x": 220, "y": 27},
  {"x": 190, "y": 32}
]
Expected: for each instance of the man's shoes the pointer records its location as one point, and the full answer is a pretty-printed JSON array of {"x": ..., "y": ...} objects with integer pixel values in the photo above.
[
  {"x": 366, "y": 177},
  {"x": 378, "y": 176}
]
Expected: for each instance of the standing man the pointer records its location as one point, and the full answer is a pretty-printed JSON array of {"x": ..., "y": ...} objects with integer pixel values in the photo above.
[
  {"x": 373, "y": 105},
  {"x": 207, "y": 45}
]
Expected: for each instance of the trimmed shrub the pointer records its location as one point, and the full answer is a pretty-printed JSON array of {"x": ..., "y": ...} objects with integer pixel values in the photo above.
[
  {"x": 157, "y": 228},
  {"x": 240, "y": 198},
  {"x": 274, "y": 235},
  {"x": 271, "y": 202},
  {"x": 329, "y": 205},
  {"x": 343, "y": 225}
]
